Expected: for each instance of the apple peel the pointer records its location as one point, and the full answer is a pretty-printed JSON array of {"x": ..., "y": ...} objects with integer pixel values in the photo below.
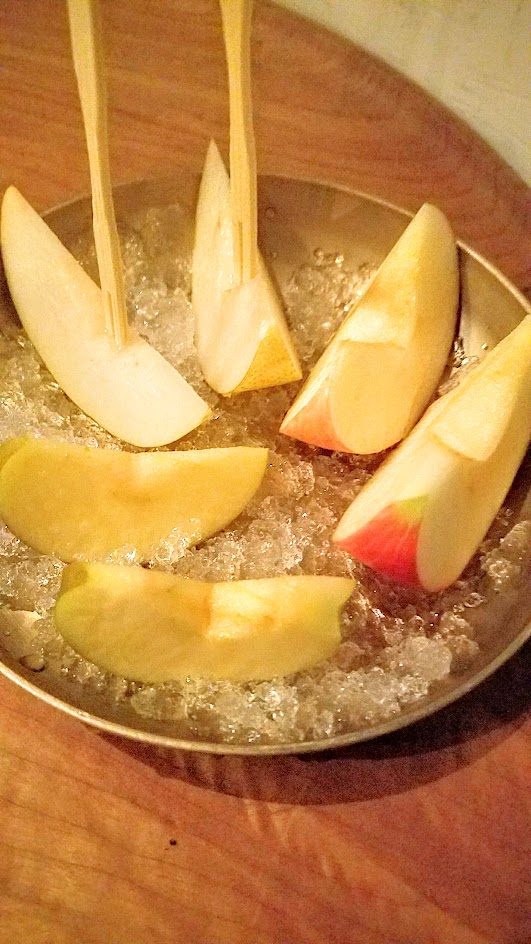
[{"x": 389, "y": 541}]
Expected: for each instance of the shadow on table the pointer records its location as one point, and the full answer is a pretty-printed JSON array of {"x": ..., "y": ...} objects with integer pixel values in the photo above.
[{"x": 425, "y": 751}]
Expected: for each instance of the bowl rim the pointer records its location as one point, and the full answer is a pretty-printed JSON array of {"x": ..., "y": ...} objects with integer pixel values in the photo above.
[{"x": 348, "y": 739}]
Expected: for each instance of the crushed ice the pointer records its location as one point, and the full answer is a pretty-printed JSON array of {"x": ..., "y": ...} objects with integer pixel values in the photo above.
[{"x": 397, "y": 643}]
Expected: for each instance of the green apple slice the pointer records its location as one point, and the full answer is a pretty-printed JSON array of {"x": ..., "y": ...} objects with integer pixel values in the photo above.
[
  {"x": 425, "y": 512},
  {"x": 153, "y": 627},
  {"x": 380, "y": 370},
  {"x": 131, "y": 391},
  {"x": 243, "y": 342},
  {"x": 73, "y": 501}
]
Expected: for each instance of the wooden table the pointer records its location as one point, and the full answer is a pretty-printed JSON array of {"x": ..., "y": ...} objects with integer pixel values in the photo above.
[{"x": 419, "y": 838}]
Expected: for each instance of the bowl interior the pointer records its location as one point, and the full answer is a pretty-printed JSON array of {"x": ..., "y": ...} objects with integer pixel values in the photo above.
[{"x": 297, "y": 218}]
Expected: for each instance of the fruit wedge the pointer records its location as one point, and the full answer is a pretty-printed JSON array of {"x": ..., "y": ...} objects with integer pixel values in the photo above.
[
  {"x": 425, "y": 512},
  {"x": 73, "y": 501},
  {"x": 153, "y": 627},
  {"x": 131, "y": 391},
  {"x": 380, "y": 370},
  {"x": 242, "y": 338}
]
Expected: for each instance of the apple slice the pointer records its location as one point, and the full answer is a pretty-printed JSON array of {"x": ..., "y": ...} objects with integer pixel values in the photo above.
[
  {"x": 380, "y": 370},
  {"x": 131, "y": 391},
  {"x": 425, "y": 512},
  {"x": 153, "y": 627},
  {"x": 70, "y": 500},
  {"x": 242, "y": 339}
]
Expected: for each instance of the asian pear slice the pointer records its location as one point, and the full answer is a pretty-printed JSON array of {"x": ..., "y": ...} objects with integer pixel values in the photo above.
[
  {"x": 424, "y": 514},
  {"x": 73, "y": 501},
  {"x": 381, "y": 368},
  {"x": 243, "y": 342},
  {"x": 131, "y": 391},
  {"x": 153, "y": 627}
]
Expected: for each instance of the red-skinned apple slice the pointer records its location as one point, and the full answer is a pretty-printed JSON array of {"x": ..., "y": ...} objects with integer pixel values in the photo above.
[
  {"x": 131, "y": 391},
  {"x": 153, "y": 627},
  {"x": 389, "y": 540},
  {"x": 425, "y": 512},
  {"x": 381, "y": 368}
]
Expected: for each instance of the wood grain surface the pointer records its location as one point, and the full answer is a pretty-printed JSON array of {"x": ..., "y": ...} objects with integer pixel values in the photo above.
[
  {"x": 473, "y": 55},
  {"x": 418, "y": 838},
  {"x": 324, "y": 109}
]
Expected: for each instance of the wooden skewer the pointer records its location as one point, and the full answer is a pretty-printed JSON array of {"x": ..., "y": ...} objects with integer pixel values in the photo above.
[
  {"x": 236, "y": 16},
  {"x": 87, "y": 50}
]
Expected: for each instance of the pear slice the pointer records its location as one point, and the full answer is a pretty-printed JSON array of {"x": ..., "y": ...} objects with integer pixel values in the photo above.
[
  {"x": 243, "y": 342},
  {"x": 153, "y": 627},
  {"x": 425, "y": 512},
  {"x": 132, "y": 391},
  {"x": 73, "y": 501},
  {"x": 380, "y": 370}
]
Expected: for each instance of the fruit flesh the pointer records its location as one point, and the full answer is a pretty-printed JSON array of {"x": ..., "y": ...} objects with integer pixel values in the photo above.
[
  {"x": 132, "y": 392},
  {"x": 374, "y": 532},
  {"x": 460, "y": 494},
  {"x": 243, "y": 342},
  {"x": 72, "y": 501},
  {"x": 154, "y": 627},
  {"x": 491, "y": 397},
  {"x": 380, "y": 370}
]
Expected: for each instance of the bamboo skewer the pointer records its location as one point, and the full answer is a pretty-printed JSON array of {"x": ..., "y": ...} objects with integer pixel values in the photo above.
[
  {"x": 236, "y": 16},
  {"x": 87, "y": 50}
]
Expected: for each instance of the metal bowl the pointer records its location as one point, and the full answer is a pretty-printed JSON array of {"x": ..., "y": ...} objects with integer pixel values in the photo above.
[{"x": 296, "y": 218}]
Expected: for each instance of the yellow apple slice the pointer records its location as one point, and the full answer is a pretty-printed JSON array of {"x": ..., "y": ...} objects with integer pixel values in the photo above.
[
  {"x": 491, "y": 396},
  {"x": 243, "y": 342},
  {"x": 380, "y": 370},
  {"x": 131, "y": 391},
  {"x": 154, "y": 627},
  {"x": 73, "y": 501},
  {"x": 425, "y": 512}
]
